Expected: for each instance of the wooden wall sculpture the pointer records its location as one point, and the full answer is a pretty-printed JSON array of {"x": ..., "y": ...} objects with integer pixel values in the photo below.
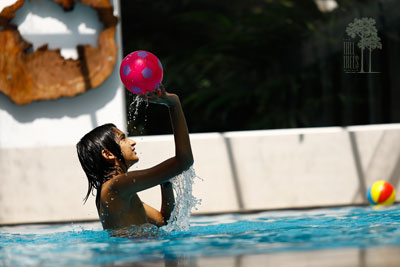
[{"x": 45, "y": 74}]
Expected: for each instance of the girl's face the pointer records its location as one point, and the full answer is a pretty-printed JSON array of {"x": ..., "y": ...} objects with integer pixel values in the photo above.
[{"x": 127, "y": 148}]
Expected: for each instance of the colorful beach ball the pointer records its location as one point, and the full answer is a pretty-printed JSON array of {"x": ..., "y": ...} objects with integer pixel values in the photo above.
[
  {"x": 140, "y": 72},
  {"x": 381, "y": 193}
]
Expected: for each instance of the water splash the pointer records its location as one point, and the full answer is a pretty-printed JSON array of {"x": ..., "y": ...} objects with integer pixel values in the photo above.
[
  {"x": 184, "y": 201},
  {"x": 133, "y": 111}
]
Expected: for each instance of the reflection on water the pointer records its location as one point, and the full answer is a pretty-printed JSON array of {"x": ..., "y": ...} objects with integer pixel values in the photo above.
[
  {"x": 145, "y": 231},
  {"x": 344, "y": 236}
]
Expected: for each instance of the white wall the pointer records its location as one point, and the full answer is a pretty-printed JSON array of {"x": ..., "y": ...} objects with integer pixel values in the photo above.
[
  {"x": 39, "y": 171},
  {"x": 63, "y": 121},
  {"x": 314, "y": 167},
  {"x": 294, "y": 168},
  {"x": 240, "y": 171}
]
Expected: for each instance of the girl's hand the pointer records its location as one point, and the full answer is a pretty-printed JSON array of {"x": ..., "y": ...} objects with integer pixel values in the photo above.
[{"x": 160, "y": 96}]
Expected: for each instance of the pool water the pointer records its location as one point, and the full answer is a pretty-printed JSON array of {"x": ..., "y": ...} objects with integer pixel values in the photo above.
[{"x": 208, "y": 236}]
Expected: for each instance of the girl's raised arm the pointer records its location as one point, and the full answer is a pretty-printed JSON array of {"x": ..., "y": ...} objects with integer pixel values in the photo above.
[{"x": 136, "y": 181}]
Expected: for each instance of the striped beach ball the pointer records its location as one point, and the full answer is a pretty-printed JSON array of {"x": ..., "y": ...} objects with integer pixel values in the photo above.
[{"x": 381, "y": 193}]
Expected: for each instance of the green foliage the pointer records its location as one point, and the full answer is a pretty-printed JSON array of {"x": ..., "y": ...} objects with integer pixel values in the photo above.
[{"x": 241, "y": 65}]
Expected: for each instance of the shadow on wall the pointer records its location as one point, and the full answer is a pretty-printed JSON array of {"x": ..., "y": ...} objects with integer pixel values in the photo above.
[
  {"x": 384, "y": 163},
  {"x": 86, "y": 103},
  {"x": 391, "y": 141},
  {"x": 69, "y": 34},
  {"x": 358, "y": 166},
  {"x": 394, "y": 178},
  {"x": 304, "y": 168}
]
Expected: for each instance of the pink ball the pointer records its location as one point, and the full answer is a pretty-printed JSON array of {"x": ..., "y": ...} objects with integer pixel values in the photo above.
[{"x": 140, "y": 72}]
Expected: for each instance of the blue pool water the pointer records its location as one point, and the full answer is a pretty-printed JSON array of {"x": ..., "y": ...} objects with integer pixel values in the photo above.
[{"x": 209, "y": 236}]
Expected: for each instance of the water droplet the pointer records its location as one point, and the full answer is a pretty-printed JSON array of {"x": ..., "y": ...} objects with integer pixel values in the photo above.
[{"x": 134, "y": 109}]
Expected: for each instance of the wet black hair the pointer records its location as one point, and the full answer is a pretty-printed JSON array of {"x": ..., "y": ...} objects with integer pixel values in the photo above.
[{"x": 89, "y": 150}]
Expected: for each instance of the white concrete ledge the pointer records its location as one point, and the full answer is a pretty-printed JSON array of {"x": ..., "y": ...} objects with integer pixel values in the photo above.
[
  {"x": 215, "y": 185},
  {"x": 240, "y": 171}
]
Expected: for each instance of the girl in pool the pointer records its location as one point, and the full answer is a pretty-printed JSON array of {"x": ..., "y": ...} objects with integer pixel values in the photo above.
[{"x": 106, "y": 154}]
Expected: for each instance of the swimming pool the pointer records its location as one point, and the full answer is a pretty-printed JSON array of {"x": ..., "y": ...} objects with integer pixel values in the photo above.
[{"x": 212, "y": 238}]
